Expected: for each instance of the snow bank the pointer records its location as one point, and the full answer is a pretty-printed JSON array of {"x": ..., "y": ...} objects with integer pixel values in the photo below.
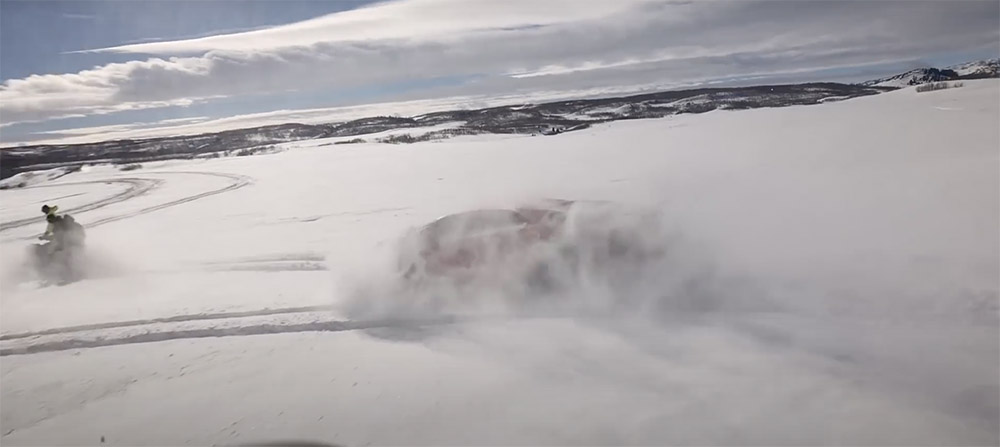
[{"x": 33, "y": 178}]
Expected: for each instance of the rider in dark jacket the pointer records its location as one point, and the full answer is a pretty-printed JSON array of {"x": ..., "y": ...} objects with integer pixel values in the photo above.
[{"x": 64, "y": 232}]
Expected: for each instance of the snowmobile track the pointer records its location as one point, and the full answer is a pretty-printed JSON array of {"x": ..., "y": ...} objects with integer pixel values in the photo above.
[
  {"x": 137, "y": 187},
  {"x": 173, "y": 319},
  {"x": 239, "y": 181},
  {"x": 256, "y": 329}
]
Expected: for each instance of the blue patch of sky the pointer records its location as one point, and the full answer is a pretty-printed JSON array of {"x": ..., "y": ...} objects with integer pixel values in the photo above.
[{"x": 38, "y": 37}]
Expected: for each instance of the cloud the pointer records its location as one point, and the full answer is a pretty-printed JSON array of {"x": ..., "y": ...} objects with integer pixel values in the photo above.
[
  {"x": 79, "y": 16},
  {"x": 511, "y": 47},
  {"x": 98, "y": 91},
  {"x": 119, "y": 129},
  {"x": 409, "y": 19}
]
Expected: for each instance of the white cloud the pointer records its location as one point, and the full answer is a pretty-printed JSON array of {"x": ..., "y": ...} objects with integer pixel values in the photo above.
[
  {"x": 410, "y": 19},
  {"x": 117, "y": 131},
  {"x": 72, "y": 16},
  {"x": 513, "y": 47},
  {"x": 97, "y": 91}
]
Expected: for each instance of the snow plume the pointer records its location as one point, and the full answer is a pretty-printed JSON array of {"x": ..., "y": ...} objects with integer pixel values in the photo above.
[
  {"x": 611, "y": 260},
  {"x": 22, "y": 267},
  {"x": 639, "y": 289},
  {"x": 603, "y": 259}
]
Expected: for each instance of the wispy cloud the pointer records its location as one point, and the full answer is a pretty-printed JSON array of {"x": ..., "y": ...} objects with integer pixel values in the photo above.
[
  {"x": 513, "y": 47},
  {"x": 147, "y": 40},
  {"x": 114, "y": 130},
  {"x": 72, "y": 16},
  {"x": 405, "y": 20}
]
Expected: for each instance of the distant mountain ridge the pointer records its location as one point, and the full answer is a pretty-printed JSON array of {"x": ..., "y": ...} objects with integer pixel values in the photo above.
[
  {"x": 987, "y": 68},
  {"x": 538, "y": 119}
]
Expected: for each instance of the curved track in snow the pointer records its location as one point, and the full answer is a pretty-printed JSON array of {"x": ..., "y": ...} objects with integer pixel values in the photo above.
[
  {"x": 238, "y": 181},
  {"x": 137, "y": 187}
]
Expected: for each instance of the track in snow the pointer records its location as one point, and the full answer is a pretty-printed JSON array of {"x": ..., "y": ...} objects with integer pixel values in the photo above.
[
  {"x": 173, "y": 319},
  {"x": 137, "y": 187},
  {"x": 254, "y": 329},
  {"x": 239, "y": 181}
]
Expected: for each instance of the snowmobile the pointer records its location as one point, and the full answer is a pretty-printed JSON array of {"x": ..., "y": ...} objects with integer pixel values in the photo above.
[
  {"x": 57, "y": 259},
  {"x": 53, "y": 266}
]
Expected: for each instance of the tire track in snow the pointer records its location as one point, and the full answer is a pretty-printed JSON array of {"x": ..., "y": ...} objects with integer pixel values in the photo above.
[
  {"x": 173, "y": 319},
  {"x": 58, "y": 198},
  {"x": 255, "y": 329},
  {"x": 239, "y": 181},
  {"x": 271, "y": 258},
  {"x": 137, "y": 187},
  {"x": 272, "y": 267}
]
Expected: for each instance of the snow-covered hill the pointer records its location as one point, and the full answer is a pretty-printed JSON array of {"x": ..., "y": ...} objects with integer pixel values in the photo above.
[
  {"x": 913, "y": 77},
  {"x": 971, "y": 70},
  {"x": 33, "y": 177},
  {"x": 515, "y": 119},
  {"x": 830, "y": 278},
  {"x": 987, "y": 68}
]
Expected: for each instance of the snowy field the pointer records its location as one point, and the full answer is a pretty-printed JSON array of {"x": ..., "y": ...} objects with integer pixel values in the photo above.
[{"x": 832, "y": 279}]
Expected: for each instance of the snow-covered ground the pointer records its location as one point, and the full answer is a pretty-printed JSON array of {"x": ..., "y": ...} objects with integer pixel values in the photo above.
[
  {"x": 833, "y": 279},
  {"x": 31, "y": 178}
]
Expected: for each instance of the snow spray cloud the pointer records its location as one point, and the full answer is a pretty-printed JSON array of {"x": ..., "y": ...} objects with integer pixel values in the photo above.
[
  {"x": 544, "y": 259},
  {"x": 34, "y": 263},
  {"x": 652, "y": 341}
]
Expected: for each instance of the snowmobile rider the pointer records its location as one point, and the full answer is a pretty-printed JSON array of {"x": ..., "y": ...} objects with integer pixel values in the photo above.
[
  {"x": 65, "y": 233},
  {"x": 49, "y": 211}
]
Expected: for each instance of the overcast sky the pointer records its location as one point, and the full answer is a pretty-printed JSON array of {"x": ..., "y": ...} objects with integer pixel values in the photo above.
[{"x": 93, "y": 70}]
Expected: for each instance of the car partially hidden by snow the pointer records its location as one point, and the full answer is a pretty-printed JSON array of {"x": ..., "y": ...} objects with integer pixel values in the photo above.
[{"x": 539, "y": 247}]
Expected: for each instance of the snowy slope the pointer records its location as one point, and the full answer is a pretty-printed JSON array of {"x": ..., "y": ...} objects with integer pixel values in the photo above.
[
  {"x": 987, "y": 68},
  {"x": 31, "y": 178},
  {"x": 832, "y": 280},
  {"x": 982, "y": 69},
  {"x": 913, "y": 77}
]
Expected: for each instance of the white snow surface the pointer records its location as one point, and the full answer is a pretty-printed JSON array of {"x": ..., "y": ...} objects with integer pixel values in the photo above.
[
  {"x": 32, "y": 178},
  {"x": 374, "y": 136},
  {"x": 987, "y": 66},
  {"x": 832, "y": 278},
  {"x": 904, "y": 80}
]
